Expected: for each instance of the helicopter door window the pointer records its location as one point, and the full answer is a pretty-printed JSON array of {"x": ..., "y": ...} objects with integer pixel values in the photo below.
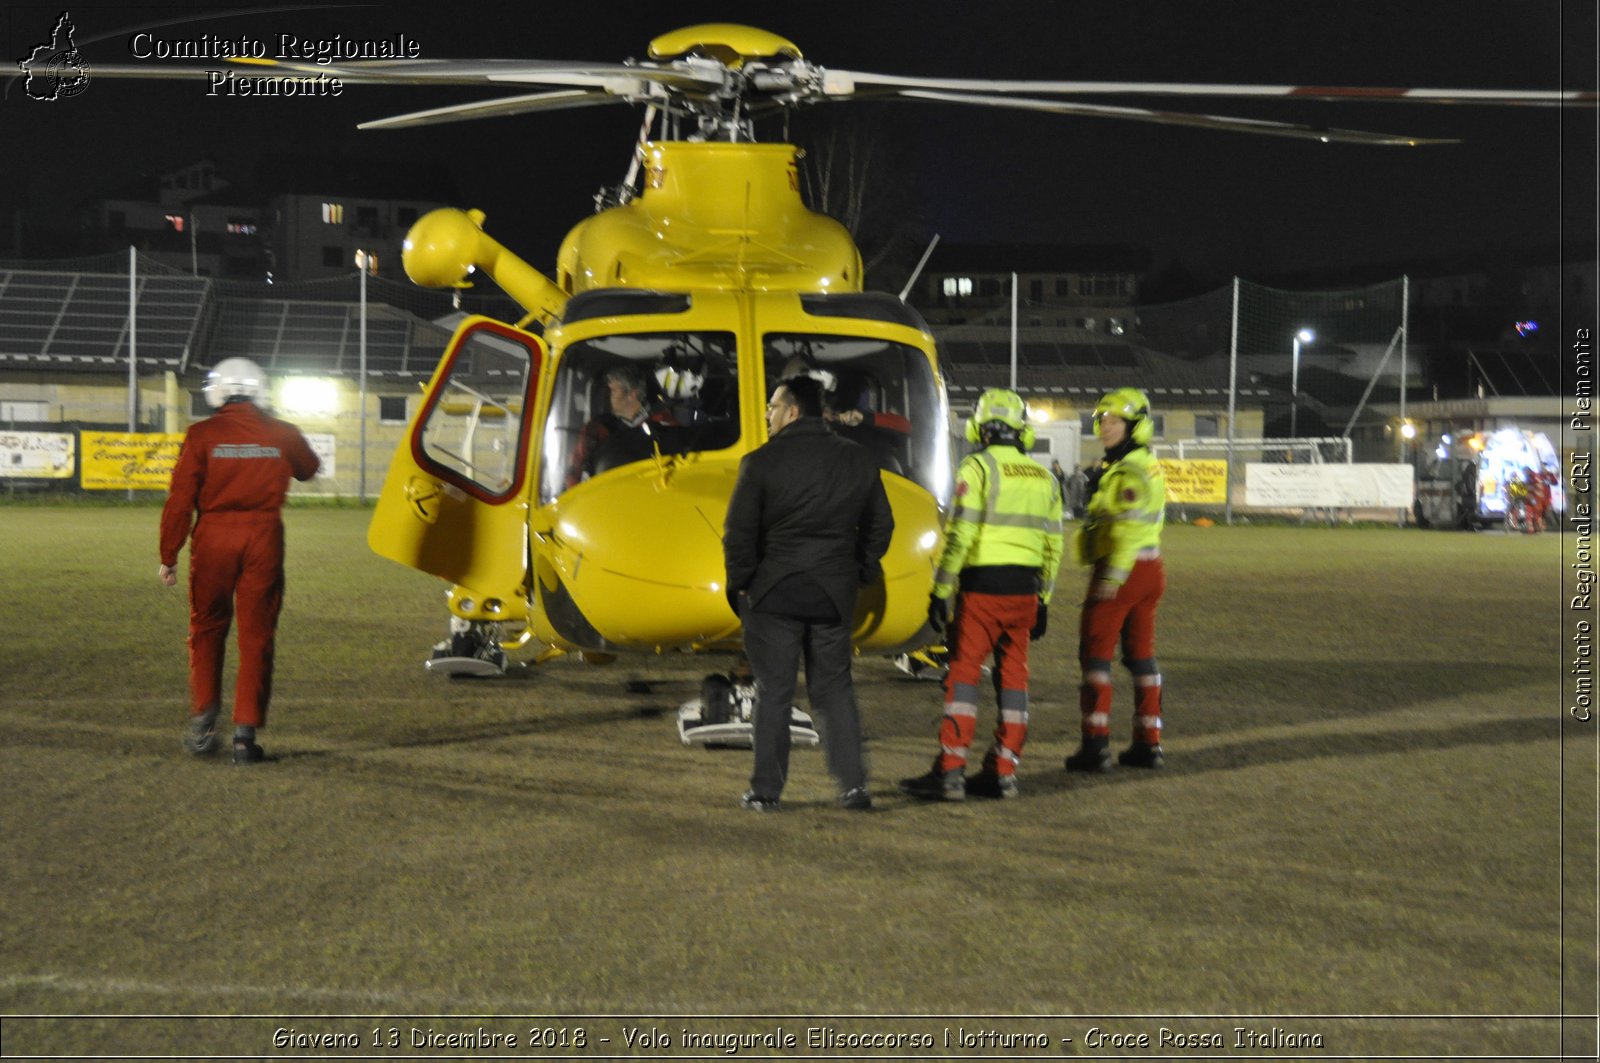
[
  {"x": 471, "y": 430},
  {"x": 878, "y": 393},
  {"x": 621, "y": 399}
]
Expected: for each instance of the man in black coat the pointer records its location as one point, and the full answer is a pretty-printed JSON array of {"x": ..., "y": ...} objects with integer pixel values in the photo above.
[{"x": 807, "y": 527}]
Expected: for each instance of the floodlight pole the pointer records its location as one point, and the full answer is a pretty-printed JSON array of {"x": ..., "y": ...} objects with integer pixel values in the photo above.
[
  {"x": 1301, "y": 336},
  {"x": 1013, "y": 332},
  {"x": 361, "y": 371},
  {"x": 133, "y": 345},
  {"x": 133, "y": 339},
  {"x": 1233, "y": 404},
  {"x": 1405, "y": 316}
]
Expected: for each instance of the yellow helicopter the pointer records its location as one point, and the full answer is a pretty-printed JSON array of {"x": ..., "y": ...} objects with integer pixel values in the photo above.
[{"x": 702, "y": 281}]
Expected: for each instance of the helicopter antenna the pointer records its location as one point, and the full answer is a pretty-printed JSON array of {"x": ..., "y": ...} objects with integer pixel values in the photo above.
[{"x": 923, "y": 261}]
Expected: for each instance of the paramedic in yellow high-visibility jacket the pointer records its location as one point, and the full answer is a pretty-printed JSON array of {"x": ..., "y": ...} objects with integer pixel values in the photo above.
[
  {"x": 1121, "y": 538},
  {"x": 1003, "y": 547}
]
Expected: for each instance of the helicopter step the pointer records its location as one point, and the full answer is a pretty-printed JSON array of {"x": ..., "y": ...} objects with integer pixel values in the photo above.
[
  {"x": 720, "y": 717},
  {"x": 472, "y": 651}
]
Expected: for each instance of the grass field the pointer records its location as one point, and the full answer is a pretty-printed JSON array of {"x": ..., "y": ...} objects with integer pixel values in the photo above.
[{"x": 1359, "y": 830}]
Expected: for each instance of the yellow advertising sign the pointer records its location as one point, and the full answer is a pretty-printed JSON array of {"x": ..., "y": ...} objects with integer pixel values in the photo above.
[
  {"x": 1195, "y": 481},
  {"x": 121, "y": 461}
]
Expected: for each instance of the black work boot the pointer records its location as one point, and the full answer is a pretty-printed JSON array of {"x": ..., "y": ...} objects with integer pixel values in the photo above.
[
  {"x": 1092, "y": 757},
  {"x": 1142, "y": 755},
  {"x": 937, "y": 785}
]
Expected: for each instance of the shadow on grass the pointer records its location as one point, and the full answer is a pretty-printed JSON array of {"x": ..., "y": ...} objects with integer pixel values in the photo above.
[
  {"x": 1236, "y": 756},
  {"x": 1208, "y": 696}
]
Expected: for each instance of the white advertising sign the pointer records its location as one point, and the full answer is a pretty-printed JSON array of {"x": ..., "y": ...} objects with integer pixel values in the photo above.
[
  {"x": 1359, "y": 486},
  {"x": 49, "y": 455}
]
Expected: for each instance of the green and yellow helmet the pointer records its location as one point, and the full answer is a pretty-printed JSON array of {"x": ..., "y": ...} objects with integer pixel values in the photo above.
[
  {"x": 1001, "y": 406},
  {"x": 1132, "y": 406}
]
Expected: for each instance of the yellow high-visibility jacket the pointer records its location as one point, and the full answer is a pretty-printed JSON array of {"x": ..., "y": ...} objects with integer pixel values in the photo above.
[
  {"x": 1124, "y": 516},
  {"x": 1007, "y": 511}
]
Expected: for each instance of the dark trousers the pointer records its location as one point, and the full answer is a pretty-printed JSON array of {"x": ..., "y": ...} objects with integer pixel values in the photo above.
[{"x": 775, "y": 645}]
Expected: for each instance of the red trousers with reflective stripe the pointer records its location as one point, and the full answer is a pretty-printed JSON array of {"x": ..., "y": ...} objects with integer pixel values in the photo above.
[
  {"x": 1130, "y": 617},
  {"x": 235, "y": 564},
  {"x": 985, "y": 624}
]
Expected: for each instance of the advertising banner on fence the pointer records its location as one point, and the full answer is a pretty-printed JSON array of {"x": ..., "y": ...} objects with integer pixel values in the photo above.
[
  {"x": 1362, "y": 486},
  {"x": 38, "y": 455},
  {"x": 1195, "y": 481},
  {"x": 121, "y": 461}
]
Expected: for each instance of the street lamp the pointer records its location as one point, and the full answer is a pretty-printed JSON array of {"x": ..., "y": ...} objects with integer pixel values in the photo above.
[{"x": 1305, "y": 335}]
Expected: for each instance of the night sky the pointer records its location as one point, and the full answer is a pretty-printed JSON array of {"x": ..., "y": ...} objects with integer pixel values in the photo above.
[{"x": 1221, "y": 202}]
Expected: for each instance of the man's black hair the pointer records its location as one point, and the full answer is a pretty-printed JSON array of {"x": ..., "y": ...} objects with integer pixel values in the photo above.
[
  {"x": 998, "y": 433},
  {"x": 806, "y": 394}
]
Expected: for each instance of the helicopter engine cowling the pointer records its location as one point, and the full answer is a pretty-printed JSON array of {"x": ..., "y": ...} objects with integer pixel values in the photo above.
[{"x": 713, "y": 215}]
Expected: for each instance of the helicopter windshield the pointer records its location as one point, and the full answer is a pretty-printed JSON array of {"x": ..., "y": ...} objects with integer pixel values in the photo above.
[
  {"x": 878, "y": 393},
  {"x": 623, "y": 398}
]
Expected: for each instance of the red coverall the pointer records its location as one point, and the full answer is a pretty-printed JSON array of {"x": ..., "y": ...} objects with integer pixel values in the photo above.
[{"x": 234, "y": 469}]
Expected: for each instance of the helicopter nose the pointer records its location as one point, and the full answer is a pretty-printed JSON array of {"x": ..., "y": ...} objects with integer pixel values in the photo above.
[{"x": 644, "y": 562}]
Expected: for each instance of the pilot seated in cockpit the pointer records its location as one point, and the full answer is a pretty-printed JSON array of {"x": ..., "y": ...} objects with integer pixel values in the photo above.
[{"x": 628, "y": 432}]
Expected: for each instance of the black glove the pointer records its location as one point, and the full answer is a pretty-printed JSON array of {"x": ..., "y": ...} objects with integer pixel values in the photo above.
[
  {"x": 733, "y": 600},
  {"x": 938, "y": 614},
  {"x": 1041, "y": 620}
]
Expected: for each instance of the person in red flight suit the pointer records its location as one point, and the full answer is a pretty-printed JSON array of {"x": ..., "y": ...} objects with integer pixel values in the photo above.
[
  {"x": 234, "y": 469},
  {"x": 1538, "y": 499}
]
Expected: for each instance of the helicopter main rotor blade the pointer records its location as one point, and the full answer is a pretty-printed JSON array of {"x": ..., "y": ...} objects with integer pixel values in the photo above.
[
  {"x": 610, "y": 76},
  {"x": 846, "y": 82},
  {"x": 510, "y": 105},
  {"x": 1181, "y": 118}
]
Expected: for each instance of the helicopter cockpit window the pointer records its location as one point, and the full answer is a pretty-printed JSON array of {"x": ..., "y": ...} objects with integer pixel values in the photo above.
[
  {"x": 878, "y": 393},
  {"x": 472, "y": 427},
  {"x": 620, "y": 399}
]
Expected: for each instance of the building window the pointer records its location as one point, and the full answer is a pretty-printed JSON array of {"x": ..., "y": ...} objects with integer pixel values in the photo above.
[
  {"x": 332, "y": 257},
  {"x": 26, "y": 412},
  {"x": 175, "y": 222},
  {"x": 241, "y": 227},
  {"x": 392, "y": 409},
  {"x": 1086, "y": 425},
  {"x": 333, "y": 213},
  {"x": 954, "y": 287},
  {"x": 1103, "y": 284},
  {"x": 1207, "y": 426},
  {"x": 367, "y": 218},
  {"x": 1036, "y": 290},
  {"x": 198, "y": 406}
]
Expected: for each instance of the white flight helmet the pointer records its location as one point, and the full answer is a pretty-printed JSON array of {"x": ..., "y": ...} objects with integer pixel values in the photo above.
[
  {"x": 235, "y": 378},
  {"x": 679, "y": 383}
]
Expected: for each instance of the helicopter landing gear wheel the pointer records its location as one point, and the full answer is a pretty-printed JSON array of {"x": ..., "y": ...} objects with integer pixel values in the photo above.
[
  {"x": 716, "y": 700},
  {"x": 472, "y": 650},
  {"x": 720, "y": 718}
]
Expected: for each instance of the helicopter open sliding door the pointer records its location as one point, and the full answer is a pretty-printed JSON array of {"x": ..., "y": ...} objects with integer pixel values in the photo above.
[{"x": 455, "y": 501}]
